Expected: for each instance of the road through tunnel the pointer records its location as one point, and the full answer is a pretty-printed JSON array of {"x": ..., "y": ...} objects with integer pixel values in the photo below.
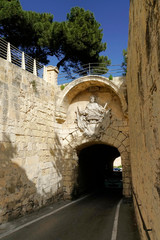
[{"x": 95, "y": 168}]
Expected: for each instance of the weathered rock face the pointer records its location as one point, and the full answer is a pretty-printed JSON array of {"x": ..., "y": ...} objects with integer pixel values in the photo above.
[
  {"x": 143, "y": 85},
  {"x": 29, "y": 176}
]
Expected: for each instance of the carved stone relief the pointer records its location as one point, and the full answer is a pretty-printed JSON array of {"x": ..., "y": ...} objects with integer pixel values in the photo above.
[{"x": 94, "y": 120}]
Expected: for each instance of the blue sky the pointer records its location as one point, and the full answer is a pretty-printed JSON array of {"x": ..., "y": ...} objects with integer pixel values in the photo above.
[{"x": 113, "y": 15}]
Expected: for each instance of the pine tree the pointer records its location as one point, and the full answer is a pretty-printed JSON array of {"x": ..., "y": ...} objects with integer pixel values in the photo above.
[{"x": 74, "y": 42}]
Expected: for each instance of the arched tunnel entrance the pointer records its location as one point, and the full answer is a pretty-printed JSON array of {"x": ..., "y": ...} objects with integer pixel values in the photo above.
[{"x": 95, "y": 168}]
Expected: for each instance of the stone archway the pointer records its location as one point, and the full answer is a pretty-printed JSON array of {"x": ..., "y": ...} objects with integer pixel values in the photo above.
[
  {"x": 76, "y": 140},
  {"x": 95, "y": 169},
  {"x": 94, "y": 83},
  {"x": 109, "y": 125}
]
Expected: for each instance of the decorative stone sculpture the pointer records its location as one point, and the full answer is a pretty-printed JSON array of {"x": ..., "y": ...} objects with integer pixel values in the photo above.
[{"x": 94, "y": 120}]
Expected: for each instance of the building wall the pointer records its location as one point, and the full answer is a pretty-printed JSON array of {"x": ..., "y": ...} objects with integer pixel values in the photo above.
[
  {"x": 29, "y": 176},
  {"x": 143, "y": 85},
  {"x": 40, "y": 138},
  {"x": 71, "y": 139}
]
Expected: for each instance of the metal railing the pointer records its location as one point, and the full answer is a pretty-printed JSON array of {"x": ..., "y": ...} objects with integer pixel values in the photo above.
[
  {"x": 99, "y": 69},
  {"x": 21, "y": 59}
]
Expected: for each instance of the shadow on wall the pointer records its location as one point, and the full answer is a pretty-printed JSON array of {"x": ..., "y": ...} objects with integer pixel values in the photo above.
[
  {"x": 58, "y": 163},
  {"x": 157, "y": 184},
  {"x": 58, "y": 156},
  {"x": 18, "y": 195},
  {"x": 65, "y": 165}
]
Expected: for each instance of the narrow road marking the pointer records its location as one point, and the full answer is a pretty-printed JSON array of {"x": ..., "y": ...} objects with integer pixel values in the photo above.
[
  {"x": 115, "y": 225},
  {"x": 38, "y": 219}
]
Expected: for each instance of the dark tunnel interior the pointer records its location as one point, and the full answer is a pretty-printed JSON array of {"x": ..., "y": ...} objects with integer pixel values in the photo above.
[{"x": 96, "y": 166}]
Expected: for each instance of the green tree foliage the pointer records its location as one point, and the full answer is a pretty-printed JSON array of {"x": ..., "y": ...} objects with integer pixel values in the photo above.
[
  {"x": 81, "y": 40},
  {"x": 74, "y": 42},
  {"x": 27, "y": 30},
  {"x": 37, "y": 32},
  {"x": 10, "y": 19},
  {"x": 124, "y": 63}
]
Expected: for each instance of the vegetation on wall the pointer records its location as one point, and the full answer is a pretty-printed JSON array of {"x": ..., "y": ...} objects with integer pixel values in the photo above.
[
  {"x": 110, "y": 77},
  {"x": 62, "y": 87},
  {"x": 124, "y": 63}
]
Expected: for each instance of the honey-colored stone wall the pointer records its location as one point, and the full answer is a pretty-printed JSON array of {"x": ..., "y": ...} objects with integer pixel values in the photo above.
[
  {"x": 143, "y": 85},
  {"x": 70, "y": 138},
  {"x": 29, "y": 175},
  {"x": 40, "y": 138}
]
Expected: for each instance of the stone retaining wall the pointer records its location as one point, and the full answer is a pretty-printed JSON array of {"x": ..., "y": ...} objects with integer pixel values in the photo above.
[
  {"x": 40, "y": 138},
  {"x": 143, "y": 85},
  {"x": 29, "y": 176}
]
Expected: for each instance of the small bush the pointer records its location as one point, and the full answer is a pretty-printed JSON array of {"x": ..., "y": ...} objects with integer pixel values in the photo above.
[
  {"x": 110, "y": 77},
  {"x": 62, "y": 87}
]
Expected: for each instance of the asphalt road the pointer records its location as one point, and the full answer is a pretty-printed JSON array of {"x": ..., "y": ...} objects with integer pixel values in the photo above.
[{"x": 92, "y": 218}]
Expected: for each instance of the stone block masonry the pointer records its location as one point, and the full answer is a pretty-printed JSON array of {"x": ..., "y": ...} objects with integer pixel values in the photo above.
[
  {"x": 29, "y": 176},
  {"x": 73, "y": 136},
  {"x": 143, "y": 85},
  {"x": 40, "y": 139}
]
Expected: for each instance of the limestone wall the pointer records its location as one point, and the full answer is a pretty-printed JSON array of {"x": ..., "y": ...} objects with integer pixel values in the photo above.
[
  {"x": 71, "y": 139},
  {"x": 143, "y": 84},
  {"x": 29, "y": 176}
]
